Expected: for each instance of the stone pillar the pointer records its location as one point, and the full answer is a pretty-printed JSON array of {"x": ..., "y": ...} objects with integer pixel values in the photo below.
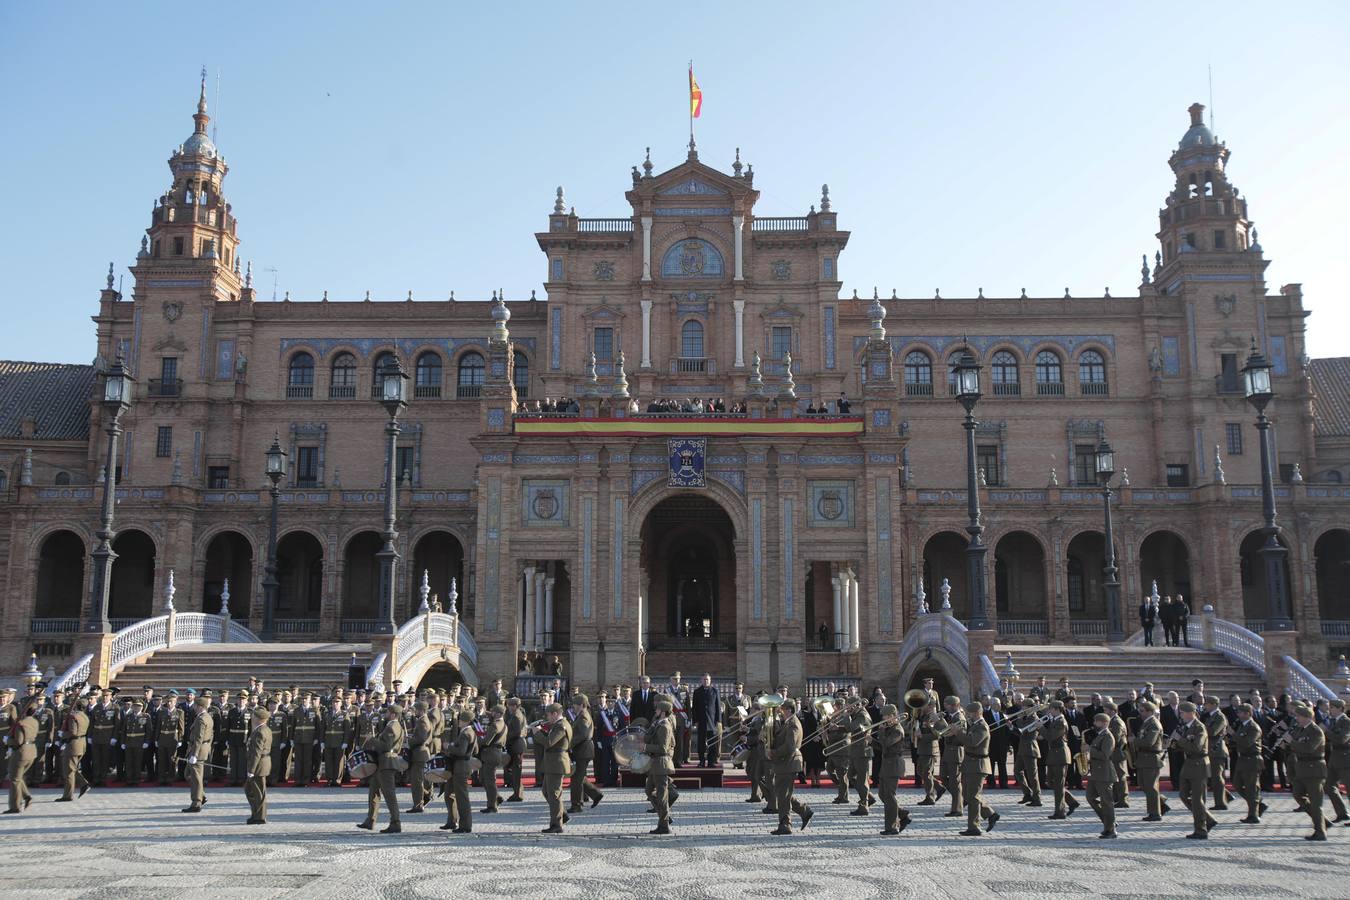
[
  {"x": 527, "y": 635},
  {"x": 837, "y": 589},
  {"x": 1278, "y": 645},
  {"x": 540, "y": 620},
  {"x": 646, "y": 334},
  {"x": 978, "y": 643},
  {"x": 646, "y": 248},
  {"x": 738, "y": 306},
  {"x": 854, "y": 617},
  {"x": 548, "y": 608},
  {"x": 737, "y": 226}
]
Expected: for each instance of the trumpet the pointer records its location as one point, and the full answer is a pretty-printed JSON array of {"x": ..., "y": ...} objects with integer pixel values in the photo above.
[
  {"x": 825, "y": 724},
  {"x": 1035, "y": 724},
  {"x": 1008, "y": 719}
]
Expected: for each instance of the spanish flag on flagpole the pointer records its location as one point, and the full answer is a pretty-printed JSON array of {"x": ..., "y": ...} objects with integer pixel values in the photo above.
[{"x": 695, "y": 94}]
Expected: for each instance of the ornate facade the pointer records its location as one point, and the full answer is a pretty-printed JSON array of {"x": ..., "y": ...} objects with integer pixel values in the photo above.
[{"x": 770, "y": 544}]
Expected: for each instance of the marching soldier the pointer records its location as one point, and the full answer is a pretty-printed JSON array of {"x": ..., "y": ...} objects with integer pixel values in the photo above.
[
  {"x": 1058, "y": 760},
  {"x": 583, "y": 751},
  {"x": 555, "y": 738},
  {"x": 200, "y": 739},
  {"x": 385, "y": 746},
  {"x": 973, "y": 737},
  {"x": 859, "y": 755},
  {"x": 419, "y": 752},
  {"x": 257, "y": 762},
  {"x": 1148, "y": 760},
  {"x": 892, "y": 770},
  {"x": 785, "y": 754},
  {"x": 52, "y": 764},
  {"x": 20, "y": 739},
  {"x": 1103, "y": 774},
  {"x": 74, "y": 730},
  {"x": 169, "y": 732},
  {"x": 1338, "y": 763},
  {"x": 660, "y": 746},
  {"x": 515, "y": 749},
  {"x": 459, "y": 752},
  {"x": 1308, "y": 744},
  {"x": 838, "y": 738},
  {"x": 1120, "y": 736},
  {"x": 133, "y": 734},
  {"x": 1027, "y": 761},
  {"x": 304, "y": 736},
  {"x": 927, "y": 751},
  {"x": 756, "y": 761},
  {"x": 45, "y": 714},
  {"x": 1216, "y": 724},
  {"x": 1248, "y": 761},
  {"x": 952, "y": 755},
  {"x": 493, "y": 755},
  {"x": 237, "y": 724},
  {"x": 1193, "y": 741}
]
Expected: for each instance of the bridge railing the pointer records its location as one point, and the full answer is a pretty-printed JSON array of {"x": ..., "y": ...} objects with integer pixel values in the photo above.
[
  {"x": 433, "y": 628},
  {"x": 1305, "y": 684}
]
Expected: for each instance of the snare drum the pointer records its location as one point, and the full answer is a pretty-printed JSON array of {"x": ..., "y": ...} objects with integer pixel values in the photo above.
[
  {"x": 437, "y": 770},
  {"x": 360, "y": 765}
]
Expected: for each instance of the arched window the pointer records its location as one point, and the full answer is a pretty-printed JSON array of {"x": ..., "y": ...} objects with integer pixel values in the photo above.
[
  {"x": 469, "y": 385},
  {"x": 342, "y": 385},
  {"x": 428, "y": 376},
  {"x": 691, "y": 339},
  {"x": 520, "y": 374},
  {"x": 62, "y": 479},
  {"x": 1092, "y": 372},
  {"x": 381, "y": 361},
  {"x": 951, "y": 371},
  {"x": 300, "y": 377},
  {"x": 1049, "y": 373},
  {"x": 1003, "y": 369},
  {"x": 918, "y": 374}
]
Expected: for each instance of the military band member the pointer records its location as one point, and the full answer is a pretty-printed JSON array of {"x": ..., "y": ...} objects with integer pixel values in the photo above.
[
  {"x": 1338, "y": 762},
  {"x": 512, "y": 775},
  {"x": 21, "y": 740},
  {"x": 1193, "y": 741},
  {"x": 257, "y": 763},
  {"x": 493, "y": 754},
  {"x": 73, "y": 737},
  {"x": 1103, "y": 774},
  {"x": 45, "y": 713},
  {"x": 892, "y": 741},
  {"x": 785, "y": 755},
  {"x": 304, "y": 737},
  {"x": 133, "y": 733},
  {"x": 419, "y": 752},
  {"x": 972, "y": 735},
  {"x": 168, "y": 735},
  {"x": 859, "y": 755},
  {"x": 200, "y": 738},
  {"x": 459, "y": 750},
  {"x": 952, "y": 754},
  {"x": 385, "y": 746},
  {"x": 1027, "y": 760},
  {"x": 927, "y": 752},
  {"x": 1120, "y": 736},
  {"x": 1148, "y": 760},
  {"x": 660, "y": 746},
  {"x": 1248, "y": 761},
  {"x": 757, "y": 760},
  {"x": 1216, "y": 724},
  {"x": 1307, "y": 742},
  {"x": 554, "y": 737},
  {"x": 583, "y": 752},
  {"x": 1058, "y": 760}
]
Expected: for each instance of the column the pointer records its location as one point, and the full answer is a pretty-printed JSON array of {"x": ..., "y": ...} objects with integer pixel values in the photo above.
[
  {"x": 548, "y": 609},
  {"x": 855, "y": 618},
  {"x": 738, "y": 307},
  {"x": 737, "y": 226},
  {"x": 836, "y": 588},
  {"x": 647, "y": 334},
  {"x": 540, "y": 623},
  {"x": 647, "y": 248},
  {"x": 527, "y": 626}
]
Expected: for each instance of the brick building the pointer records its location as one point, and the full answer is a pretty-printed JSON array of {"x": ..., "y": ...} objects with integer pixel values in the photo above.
[{"x": 786, "y": 544}]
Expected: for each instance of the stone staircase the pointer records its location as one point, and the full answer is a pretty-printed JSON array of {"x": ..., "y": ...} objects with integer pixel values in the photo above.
[
  {"x": 229, "y": 666},
  {"x": 1098, "y": 670}
]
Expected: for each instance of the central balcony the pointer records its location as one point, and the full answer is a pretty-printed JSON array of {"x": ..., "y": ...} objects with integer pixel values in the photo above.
[{"x": 686, "y": 423}]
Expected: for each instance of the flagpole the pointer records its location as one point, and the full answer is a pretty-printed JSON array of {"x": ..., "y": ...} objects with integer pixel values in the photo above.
[{"x": 691, "y": 106}]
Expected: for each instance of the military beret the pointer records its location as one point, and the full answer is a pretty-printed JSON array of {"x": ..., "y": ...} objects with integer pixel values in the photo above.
[
  {"x": 396, "y": 708},
  {"x": 259, "y": 713},
  {"x": 498, "y": 710},
  {"x": 1108, "y": 703},
  {"x": 1186, "y": 706},
  {"x": 1303, "y": 709},
  {"x": 664, "y": 706},
  {"x": 974, "y": 708},
  {"x": 889, "y": 710},
  {"x": 1146, "y": 706},
  {"x": 1212, "y": 700},
  {"x": 419, "y": 707},
  {"x": 580, "y": 700},
  {"x": 1056, "y": 704},
  {"x": 466, "y": 716},
  {"x": 951, "y": 701},
  {"x": 1245, "y": 707},
  {"x": 1101, "y": 717},
  {"x": 192, "y": 692}
]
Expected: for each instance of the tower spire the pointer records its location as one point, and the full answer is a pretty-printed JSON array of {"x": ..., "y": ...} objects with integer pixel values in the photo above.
[{"x": 200, "y": 117}]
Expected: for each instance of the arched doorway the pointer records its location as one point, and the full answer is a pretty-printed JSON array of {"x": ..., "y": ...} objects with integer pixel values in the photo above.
[
  {"x": 300, "y": 576},
  {"x": 60, "y": 581},
  {"x": 361, "y": 577},
  {"x": 944, "y": 556},
  {"x": 1255, "y": 604},
  {"x": 1019, "y": 585},
  {"x": 131, "y": 594},
  {"x": 1084, "y": 560},
  {"x": 942, "y": 685},
  {"x": 1163, "y": 558},
  {"x": 689, "y": 558},
  {"x": 440, "y": 677},
  {"x": 229, "y": 555},
  {"x": 1332, "y": 553},
  {"x": 440, "y": 556}
]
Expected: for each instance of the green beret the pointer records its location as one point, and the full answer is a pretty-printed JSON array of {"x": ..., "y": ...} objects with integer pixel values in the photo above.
[
  {"x": 1245, "y": 707},
  {"x": 889, "y": 710},
  {"x": 1101, "y": 717},
  {"x": 951, "y": 701},
  {"x": 466, "y": 716},
  {"x": 974, "y": 708},
  {"x": 664, "y": 706},
  {"x": 1186, "y": 706},
  {"x": 580, "y": 700}
]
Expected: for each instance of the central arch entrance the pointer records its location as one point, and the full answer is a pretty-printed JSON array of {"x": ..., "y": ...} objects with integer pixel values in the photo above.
[{"x": 689, "y": 559}]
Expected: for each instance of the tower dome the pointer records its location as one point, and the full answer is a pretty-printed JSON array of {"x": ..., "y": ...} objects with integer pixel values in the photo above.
[{"x": 1198, "y": 135}]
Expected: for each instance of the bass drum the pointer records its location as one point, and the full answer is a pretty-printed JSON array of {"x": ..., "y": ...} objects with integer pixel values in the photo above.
[
  {"x": 641, "y": 762},
  {"x": 628, "y": 746},
  {"x": 360, "y": 765},
  {"x": 437, "y": 770}
]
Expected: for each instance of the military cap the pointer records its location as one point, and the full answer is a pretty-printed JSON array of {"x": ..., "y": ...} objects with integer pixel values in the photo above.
[
  {"x": 1245, "y": 707},
  {"x": 174, "y": 693},
  {"x": 580, "y": 700},
  {"x": 146, "y": 687},
  {"x": 512, "y": 701},
  {"x": 889, "y": 710},
  {"x": 114, "y": 691},
  {"x": 1338, "y": 703},
  {"x": 1057, "y": 704},
  {"x": 1101, "y": 717},
  {"x": 665, "y": 706},
  {"x": 80, "y": 702},
  {"x": 498, "y": 710},
  {"x": 552, "y": 707},
  {"x": 1303, "y": 709},
  {"x": 207, "y": 693},
  {"x": 1148, "y": 706},
  {"x": 950, "y": 700},
  {"x": 1186, "y": 706},
  {"x": 789, "y": 705},
  {"x": 974, "y": 707},
  {"x": 419, "y": 707},
  {"x": 259, "y": 713},
  {"x": 192, "y": 692},
  {"x": 1108, "y": 703},
  {"x": 466, "y": 716},
  {"x": 244, "y": 693},
  {"x": 855, "y": 701},
  {"x": 138, "y": 702},
  {"x": 396, "y": 708}
]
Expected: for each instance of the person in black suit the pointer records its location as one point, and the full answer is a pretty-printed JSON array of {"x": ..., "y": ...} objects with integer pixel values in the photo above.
[
  {"x": 1167, "y": 617},
  {"x": 1000, "y": 742},
  {"x": 644, "y": 701},
  {"x": 1170, "y": 716},
  {"x": 1148, "y": 618},
  {"x": 707, "y": 712},
  {"x": 1183, "y": 612},
  {"x": 1078, "y": 724}
]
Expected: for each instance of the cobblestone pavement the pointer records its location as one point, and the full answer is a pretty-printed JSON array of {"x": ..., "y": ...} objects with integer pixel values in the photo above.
[{"x": 135, "y": 843}]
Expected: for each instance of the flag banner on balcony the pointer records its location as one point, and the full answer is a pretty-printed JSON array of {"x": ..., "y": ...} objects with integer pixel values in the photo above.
[
  {"x": 692, "y": 425},
  {"x": 686, "y": 461}
]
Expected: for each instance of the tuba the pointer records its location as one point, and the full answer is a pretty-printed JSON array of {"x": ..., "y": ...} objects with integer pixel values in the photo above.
[
  {"x": 915, "y": 700},
  {"x": 768, "y": 704}
]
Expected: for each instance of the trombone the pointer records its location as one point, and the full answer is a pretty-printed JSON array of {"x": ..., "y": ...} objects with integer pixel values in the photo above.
[
  {"x": 837, "y": 745},
  {"x": 1008, "y": 719}
]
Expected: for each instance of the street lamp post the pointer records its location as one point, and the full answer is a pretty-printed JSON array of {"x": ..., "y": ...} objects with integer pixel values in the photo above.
[
  {"x": 116, "y": 401},
  {"x": 967, "y": 373},
  {"x": 1256, "y": 384},
  {"x": 1115, "y": 624},
  {"x": 276, "y": 470},
  {"x": 393, "y": 397}
]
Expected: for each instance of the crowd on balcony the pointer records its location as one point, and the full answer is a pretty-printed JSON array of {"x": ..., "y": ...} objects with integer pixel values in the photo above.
[{"x": 688, "y": 406}]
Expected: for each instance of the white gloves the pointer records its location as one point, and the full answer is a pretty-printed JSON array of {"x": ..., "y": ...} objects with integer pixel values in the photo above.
[
  {"x": 112, "y": 743},
  {"x": 344, "y": 746},
  {"x": 145, "y": 746},
  {"x": 320, "y": 746},
  {"x": 192, "y": 760}
]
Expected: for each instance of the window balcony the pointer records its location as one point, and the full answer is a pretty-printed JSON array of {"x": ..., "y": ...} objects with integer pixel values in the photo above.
[
  {"x": 427, "y": 392},
  {"x": 299, "y": 392},
  {"x": 1049, "y": 389},
  {"x": 1094, "y": 388},
  {"x": 918, "y": 390},
  {"x": 686, "y": 364},
  {"x": 468, "y": 391},
  {"x": 164, "y": 387},
  {"x": 1007, "y": 389},
  {"x": 342, "y": 392}
]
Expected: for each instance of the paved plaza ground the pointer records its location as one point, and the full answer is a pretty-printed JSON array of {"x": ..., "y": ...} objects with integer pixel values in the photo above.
[{"x": 130, "y": 843}]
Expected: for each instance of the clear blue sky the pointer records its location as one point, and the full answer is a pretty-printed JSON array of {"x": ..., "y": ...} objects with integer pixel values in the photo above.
[{"x": 392, "y": 147}]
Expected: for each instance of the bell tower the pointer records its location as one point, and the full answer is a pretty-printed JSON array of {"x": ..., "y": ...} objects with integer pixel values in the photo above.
[{"x": 192, "y": 225}]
